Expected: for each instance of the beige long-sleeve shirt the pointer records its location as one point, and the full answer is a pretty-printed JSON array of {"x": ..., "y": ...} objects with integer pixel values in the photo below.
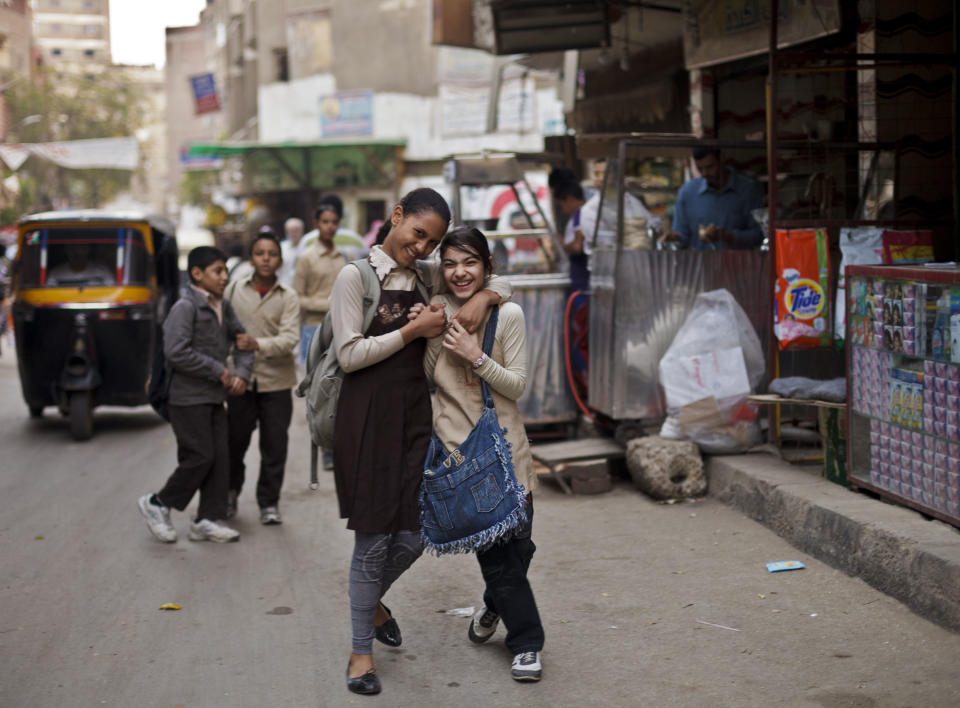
[
  {"x": 354, "y": 351},
  {"x": 317, "y": 269},
  {"x": 459, "y": 399},
  {"x": 274, "y": 320}
]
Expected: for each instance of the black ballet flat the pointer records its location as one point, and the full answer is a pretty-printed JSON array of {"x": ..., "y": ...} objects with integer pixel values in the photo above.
[
  {"x": 389, "y": 632},
  {"x": 366, "y": 685}
]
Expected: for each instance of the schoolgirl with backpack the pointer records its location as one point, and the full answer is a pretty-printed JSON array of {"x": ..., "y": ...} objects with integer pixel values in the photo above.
[{"x": 383, "y": 418}]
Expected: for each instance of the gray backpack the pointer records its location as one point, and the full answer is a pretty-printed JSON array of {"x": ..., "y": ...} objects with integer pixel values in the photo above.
[{"x": 321, "y": 385}]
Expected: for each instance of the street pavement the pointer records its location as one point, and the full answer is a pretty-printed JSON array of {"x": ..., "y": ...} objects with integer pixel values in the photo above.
[{"x": 643, "y": 604}]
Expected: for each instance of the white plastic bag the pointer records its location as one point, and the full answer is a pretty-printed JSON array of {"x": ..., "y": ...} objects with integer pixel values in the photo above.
[{"x": 712, "y": 365}]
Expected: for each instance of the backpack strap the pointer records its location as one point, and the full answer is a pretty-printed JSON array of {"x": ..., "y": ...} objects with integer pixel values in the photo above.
[{"x": 371, "y": 290}]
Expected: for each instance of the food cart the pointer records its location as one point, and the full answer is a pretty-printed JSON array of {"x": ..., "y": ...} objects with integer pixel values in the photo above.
[
  {"x": 641, "y": 295},
  {"x": 535, "y": 263}
]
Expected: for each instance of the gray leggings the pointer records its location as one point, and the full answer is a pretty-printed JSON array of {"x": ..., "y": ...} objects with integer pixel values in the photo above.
[{"x": 378, "y": 560}]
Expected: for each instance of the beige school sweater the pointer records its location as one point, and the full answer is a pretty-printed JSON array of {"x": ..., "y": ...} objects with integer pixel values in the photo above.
[
  {"x": 274, "y": 320},
  {"x": 459, "y": 400},
  {"x": 317, "y": 269}
]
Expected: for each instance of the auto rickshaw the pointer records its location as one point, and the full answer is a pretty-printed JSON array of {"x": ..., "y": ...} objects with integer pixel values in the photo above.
[{"x": 90, "y": 291}]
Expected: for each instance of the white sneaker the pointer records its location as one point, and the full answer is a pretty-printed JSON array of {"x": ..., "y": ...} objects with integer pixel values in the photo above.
[
  {"x": 483, "y": 625},
  {"x": 158, "y": 519},
  {"x": 206, "y": 530},
  {"x": 270, "y": 516},
  {"x": 526, "y": 666}
]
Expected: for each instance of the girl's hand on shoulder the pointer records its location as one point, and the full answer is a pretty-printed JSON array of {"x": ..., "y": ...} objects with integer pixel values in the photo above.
[
  {"x": 473, "y": 311},
  {"x": 461, "y": 342}
]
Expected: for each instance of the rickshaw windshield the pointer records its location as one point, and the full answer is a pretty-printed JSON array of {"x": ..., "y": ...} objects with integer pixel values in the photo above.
[{"x": 70, "y": 256}]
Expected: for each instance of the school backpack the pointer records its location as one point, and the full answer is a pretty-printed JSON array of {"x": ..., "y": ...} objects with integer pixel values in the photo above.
[
  {"x": 321, "y": 385},
  {"x": 158, "y": 390}
]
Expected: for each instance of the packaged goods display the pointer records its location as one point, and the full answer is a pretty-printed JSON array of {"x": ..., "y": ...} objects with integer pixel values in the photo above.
[
  {"x": 903, "y": 336},
  {"x": 800, "y": 309}
]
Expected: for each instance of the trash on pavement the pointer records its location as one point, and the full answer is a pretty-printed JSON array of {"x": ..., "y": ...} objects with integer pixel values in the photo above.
[
  {"x": 168, "y": 606},
  {"x": 714, "y": 362},
  {"x": 721, "y": 626},
  {"x": 459, "y": 612},
  {"x": 777, "y": 566}
]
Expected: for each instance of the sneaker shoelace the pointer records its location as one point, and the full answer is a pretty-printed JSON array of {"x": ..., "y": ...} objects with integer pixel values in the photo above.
[
  {"x": 488, "y": 618},
  {"x": 527, "y": 657}
]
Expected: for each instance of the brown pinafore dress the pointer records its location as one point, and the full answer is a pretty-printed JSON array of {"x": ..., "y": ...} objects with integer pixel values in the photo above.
[{"x": 383, "y": 430}]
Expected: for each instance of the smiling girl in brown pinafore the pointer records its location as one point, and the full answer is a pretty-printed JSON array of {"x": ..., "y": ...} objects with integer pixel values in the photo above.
[{"x": 384, "y": 417}]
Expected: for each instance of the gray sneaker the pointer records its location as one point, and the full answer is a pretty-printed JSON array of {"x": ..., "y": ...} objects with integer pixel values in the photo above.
[
  {"x": 231, "y": 503},
  {"x": 483, "y": 625},
  {"x": 526, "y": 666},
  {"x": 206, "y": 530},
  {"x": 270, "y": 516},
  {"x": 158, "y": 519}
]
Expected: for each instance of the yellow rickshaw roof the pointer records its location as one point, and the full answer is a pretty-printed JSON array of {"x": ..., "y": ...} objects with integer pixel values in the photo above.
[{"x": 156, "y": 221}]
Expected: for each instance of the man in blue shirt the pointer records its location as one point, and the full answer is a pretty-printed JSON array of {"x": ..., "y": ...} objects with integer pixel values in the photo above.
[{"x": 712, "y": 212}]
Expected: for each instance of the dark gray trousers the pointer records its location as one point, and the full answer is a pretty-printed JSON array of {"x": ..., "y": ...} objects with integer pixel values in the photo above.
[
  {"x": 203, "y": 461},
  {"x": 272, "y": 412}
]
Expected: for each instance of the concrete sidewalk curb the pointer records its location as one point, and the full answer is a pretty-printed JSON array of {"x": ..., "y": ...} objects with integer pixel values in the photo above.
[{"x": 894, "y": 549}]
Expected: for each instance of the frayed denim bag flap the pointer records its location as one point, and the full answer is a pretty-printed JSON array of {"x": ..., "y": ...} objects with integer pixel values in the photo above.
[{"x": 470, "y": 497}]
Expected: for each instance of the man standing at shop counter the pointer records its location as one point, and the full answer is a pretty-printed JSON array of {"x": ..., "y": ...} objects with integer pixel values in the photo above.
[{"x": 712, "y": 212}]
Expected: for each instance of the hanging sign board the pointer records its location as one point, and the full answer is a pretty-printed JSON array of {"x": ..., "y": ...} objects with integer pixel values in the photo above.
[{"x": 717, "y": 31}]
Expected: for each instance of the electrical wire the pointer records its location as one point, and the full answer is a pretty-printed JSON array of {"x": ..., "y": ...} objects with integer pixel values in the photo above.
[{"x": 566, "y": 354}]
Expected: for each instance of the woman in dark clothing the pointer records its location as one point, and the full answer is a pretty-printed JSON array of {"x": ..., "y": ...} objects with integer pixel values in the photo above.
[{"x": 383, "y": 416}]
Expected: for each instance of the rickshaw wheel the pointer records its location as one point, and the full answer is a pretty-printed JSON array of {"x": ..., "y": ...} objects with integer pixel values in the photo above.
[
  {"x": 36, "y": 411},
  {"x": 81, "y": 415}
]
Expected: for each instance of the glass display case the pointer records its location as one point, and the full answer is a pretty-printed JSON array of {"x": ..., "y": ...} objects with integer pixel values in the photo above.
[{"x": 903, "y": 385}]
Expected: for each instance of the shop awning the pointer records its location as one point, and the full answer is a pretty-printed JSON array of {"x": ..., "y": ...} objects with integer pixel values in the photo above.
[{"x": 317, "y": 165}]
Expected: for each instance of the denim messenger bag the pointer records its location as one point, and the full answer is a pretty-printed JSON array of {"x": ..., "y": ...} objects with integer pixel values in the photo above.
[{"x": 470, "y": 497}]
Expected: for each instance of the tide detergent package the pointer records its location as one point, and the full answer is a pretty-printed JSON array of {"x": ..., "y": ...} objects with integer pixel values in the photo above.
[{"x": 801, "y": 312}]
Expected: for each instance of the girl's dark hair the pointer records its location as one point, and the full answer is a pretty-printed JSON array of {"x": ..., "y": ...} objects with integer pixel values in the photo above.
[
  {"x": 418, "y": 201},
  {"x": 327, "y": 206},
  {"x": 329, "y": 201},
  {"x": 383, "y": 231},
  {"x": 423, "y": 200},
  {"x": 471, "y": 240}
]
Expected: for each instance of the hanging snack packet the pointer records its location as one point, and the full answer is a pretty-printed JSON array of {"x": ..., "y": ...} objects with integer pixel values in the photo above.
[{"x": 800, "y": 310}]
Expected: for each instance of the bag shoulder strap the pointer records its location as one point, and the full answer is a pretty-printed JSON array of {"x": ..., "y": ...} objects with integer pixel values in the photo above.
[
  {"x": 489, "y": 333},
  {"x": 371, "y": 290}
]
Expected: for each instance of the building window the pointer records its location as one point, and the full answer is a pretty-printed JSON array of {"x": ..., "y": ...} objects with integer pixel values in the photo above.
[
  {"x": 56, "y": 52},
  {"x": 89, "y": 53},
  {"x": 281, "y": 64},
  {"x": 310, "y": 41}
]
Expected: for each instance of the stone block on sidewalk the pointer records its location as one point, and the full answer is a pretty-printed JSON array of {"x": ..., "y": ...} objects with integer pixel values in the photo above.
[
  {"x": 666, "y": 469},
  {"x": 588, "y": 476}
]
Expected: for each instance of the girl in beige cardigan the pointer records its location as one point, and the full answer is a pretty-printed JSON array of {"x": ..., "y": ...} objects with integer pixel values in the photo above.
[{"x": 455, "y": 363}]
